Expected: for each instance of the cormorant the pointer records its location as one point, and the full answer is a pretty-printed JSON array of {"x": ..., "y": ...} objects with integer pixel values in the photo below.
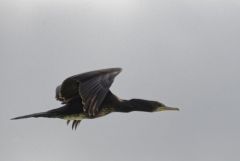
[{"x": 87, "y": 96}]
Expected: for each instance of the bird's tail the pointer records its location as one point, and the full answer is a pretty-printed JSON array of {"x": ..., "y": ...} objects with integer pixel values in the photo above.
[{"x": 40, "y": 114}]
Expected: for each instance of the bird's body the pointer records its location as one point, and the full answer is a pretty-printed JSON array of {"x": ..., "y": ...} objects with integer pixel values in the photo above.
[
  {"x": 87, "y": 96},
  {"x": 73, "y": 110}
]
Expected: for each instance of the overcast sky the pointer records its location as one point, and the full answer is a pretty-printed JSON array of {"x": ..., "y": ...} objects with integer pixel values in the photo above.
[{"x": 184, "y": 53}]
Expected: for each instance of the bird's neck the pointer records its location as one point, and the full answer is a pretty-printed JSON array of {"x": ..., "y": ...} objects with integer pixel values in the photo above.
[{"x": 134, "y": 105}]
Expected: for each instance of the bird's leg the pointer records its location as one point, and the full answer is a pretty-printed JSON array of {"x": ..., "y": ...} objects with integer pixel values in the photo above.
[
  {"x": 77, "y": 123},
  {"x": 68, "y": 121},
  {"x": 73, "y": 124}
]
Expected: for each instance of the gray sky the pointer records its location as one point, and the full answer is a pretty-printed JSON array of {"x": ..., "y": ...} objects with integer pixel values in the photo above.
[{"x": 183, "y": 53}]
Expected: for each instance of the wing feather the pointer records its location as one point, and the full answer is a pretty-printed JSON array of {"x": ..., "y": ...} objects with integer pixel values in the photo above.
[{"x": 92, "y": 87}]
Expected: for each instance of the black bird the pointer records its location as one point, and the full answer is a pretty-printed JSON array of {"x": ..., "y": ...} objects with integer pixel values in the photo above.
[{"x": 87, "y": 96}]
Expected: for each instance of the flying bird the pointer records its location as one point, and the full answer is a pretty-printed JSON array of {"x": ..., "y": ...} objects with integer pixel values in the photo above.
[{"x": 87, "y": 96}]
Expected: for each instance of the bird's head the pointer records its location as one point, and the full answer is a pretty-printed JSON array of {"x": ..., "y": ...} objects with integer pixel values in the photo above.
[
  {"x": 161, "y": 107},
  {"x": 150, "y": 106}
]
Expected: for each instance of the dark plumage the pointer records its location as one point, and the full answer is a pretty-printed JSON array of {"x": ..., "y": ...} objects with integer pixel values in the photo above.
[{"x": 87, "y": 96}]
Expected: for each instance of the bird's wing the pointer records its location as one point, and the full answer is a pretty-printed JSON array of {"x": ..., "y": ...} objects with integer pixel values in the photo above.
[
  {"x": 58, "y": 94},
  {"x": 67, "y": 91},
  {"x": 91, "y": 86}
]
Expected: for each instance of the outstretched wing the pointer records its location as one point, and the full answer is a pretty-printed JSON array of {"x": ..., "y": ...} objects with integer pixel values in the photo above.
[{"x": 92, "y": 87}]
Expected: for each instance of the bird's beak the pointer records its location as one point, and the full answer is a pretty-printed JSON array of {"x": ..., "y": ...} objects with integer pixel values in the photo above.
[{"x": 169, "y": 109}]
